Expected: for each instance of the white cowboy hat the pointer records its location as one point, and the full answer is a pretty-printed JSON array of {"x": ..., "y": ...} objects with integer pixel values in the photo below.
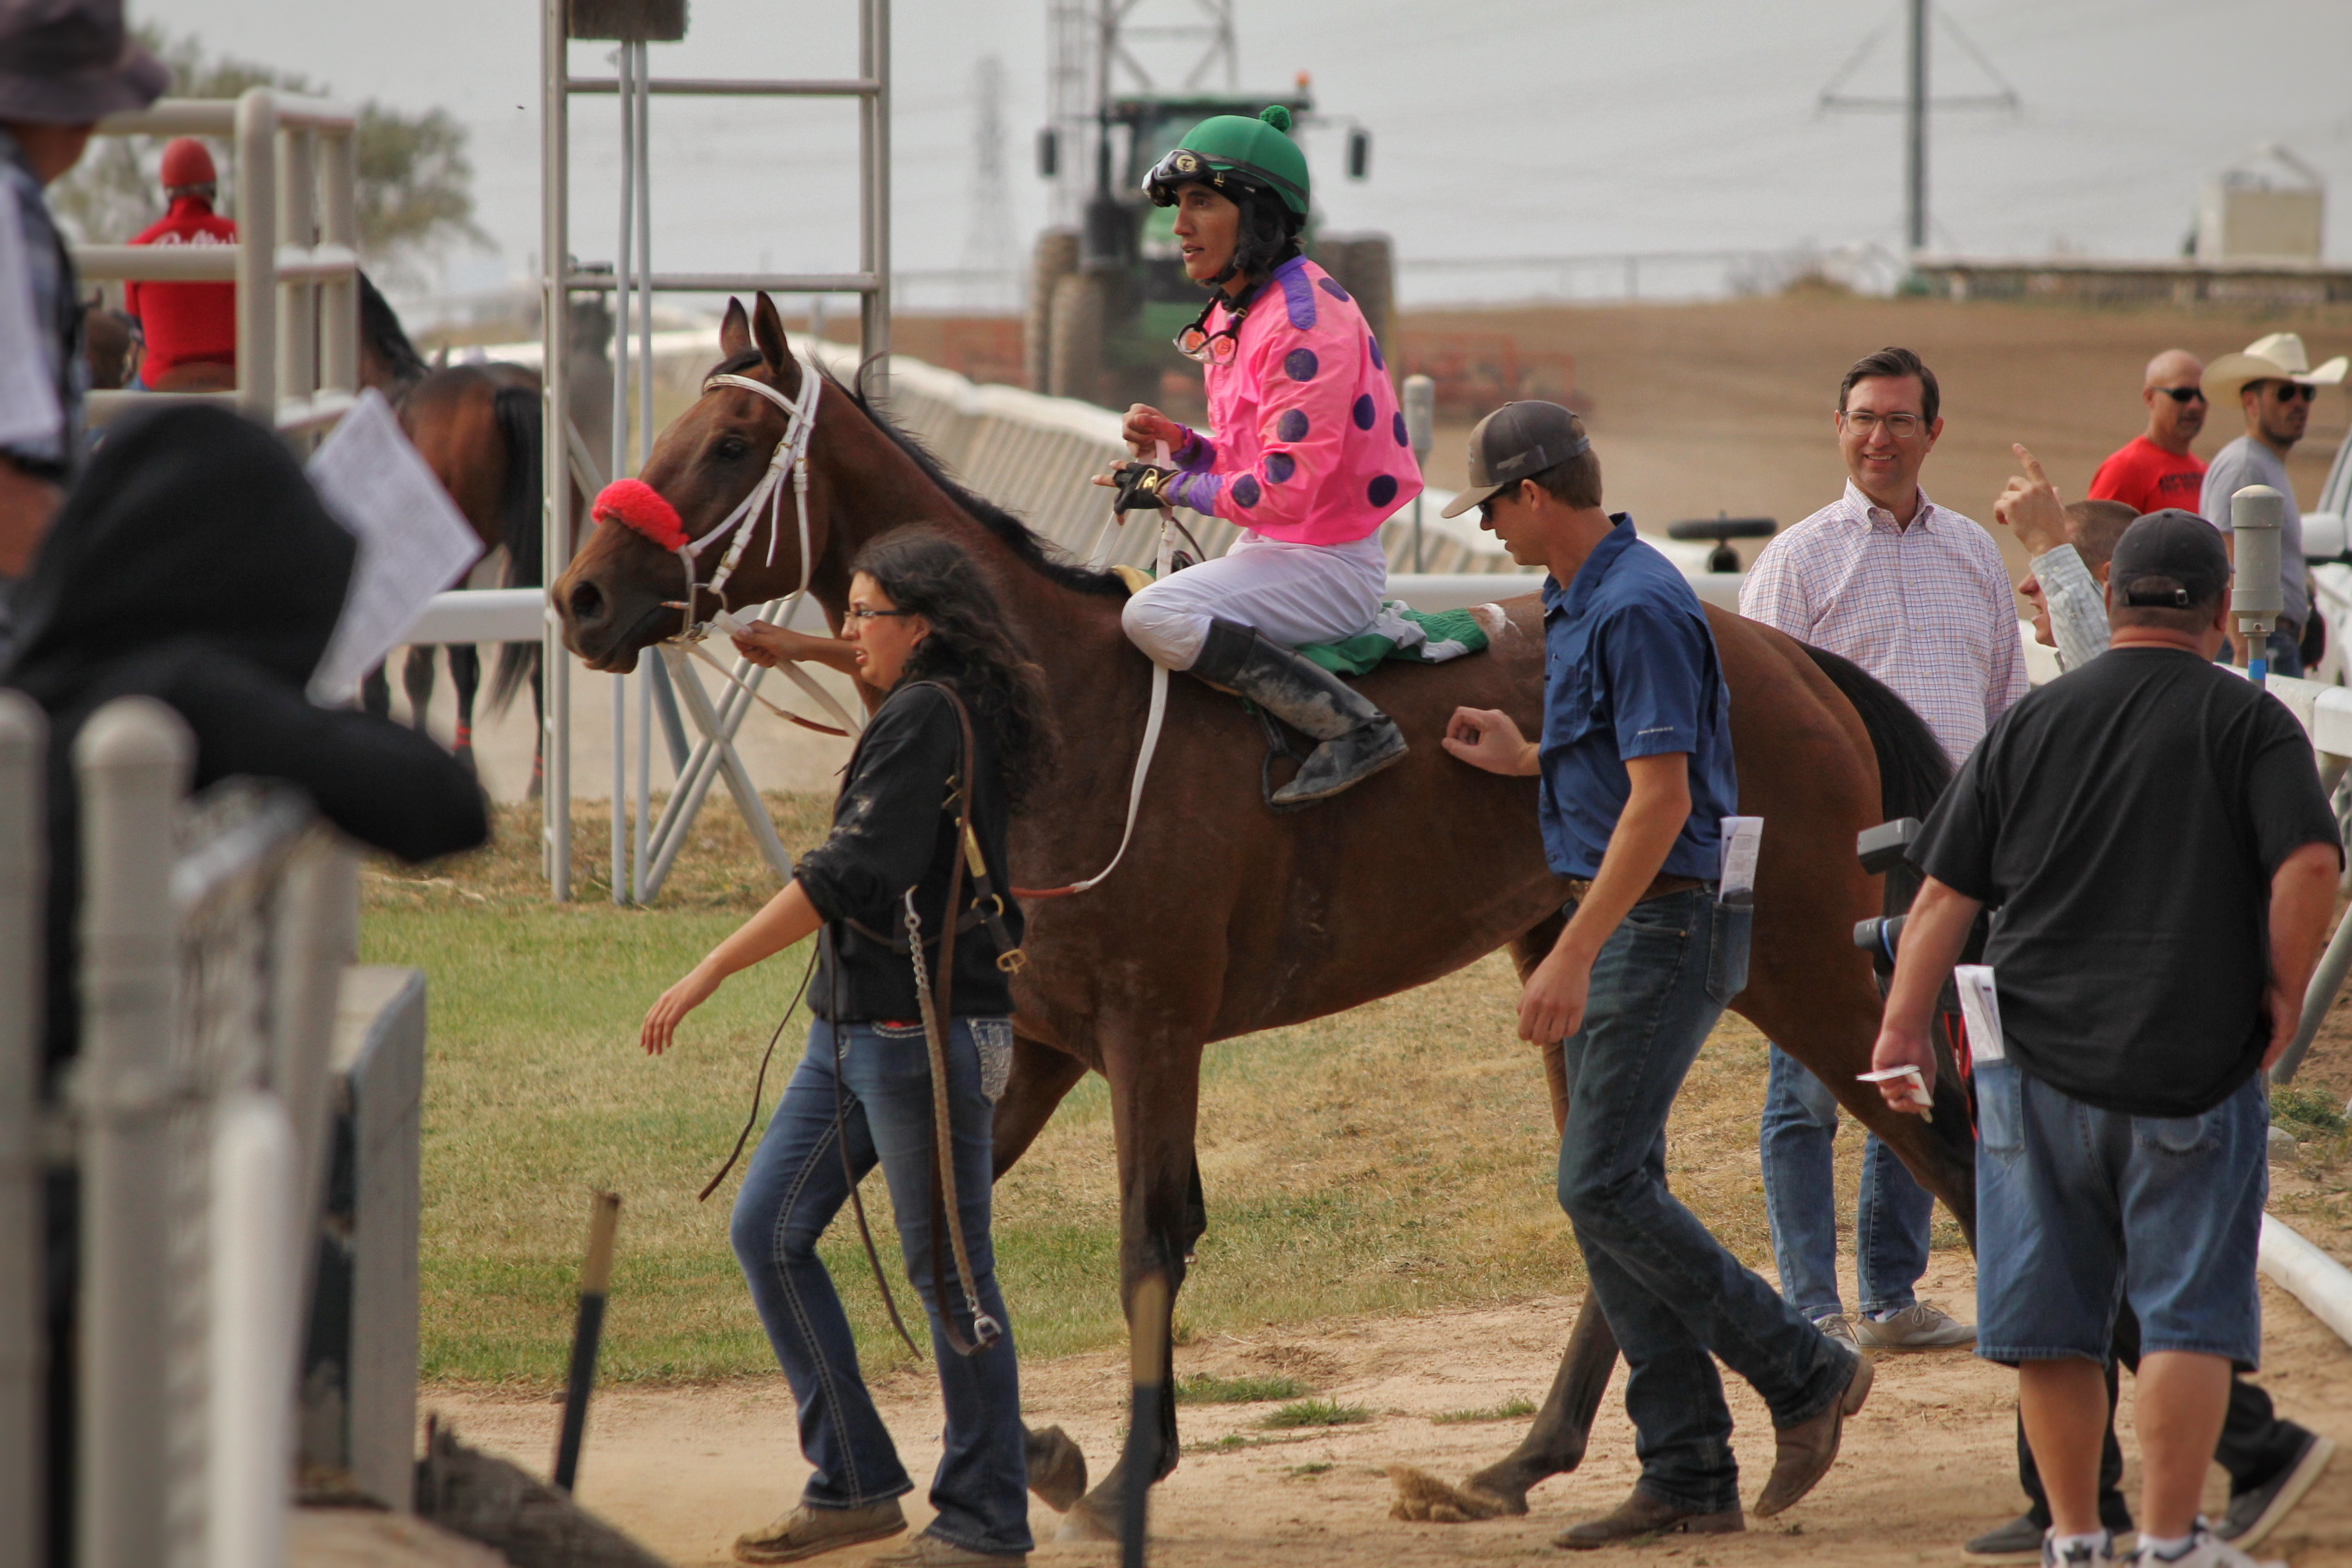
[{"x": 2277, "y": 357}]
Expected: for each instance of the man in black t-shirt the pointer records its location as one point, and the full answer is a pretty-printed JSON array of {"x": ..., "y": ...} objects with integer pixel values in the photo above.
[{"x": 2151, "y": 832}]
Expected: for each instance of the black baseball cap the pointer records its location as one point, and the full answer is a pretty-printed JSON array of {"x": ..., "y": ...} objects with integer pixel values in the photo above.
[
  {"x": 2171, "y": 559},
  {"x": 1518, "y": 440}
]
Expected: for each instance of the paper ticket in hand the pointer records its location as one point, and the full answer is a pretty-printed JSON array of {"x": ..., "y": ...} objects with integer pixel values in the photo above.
[
  {"x": 1742, "y": 837},
  {"x": 1919, "y": 1096},
  {"x": 1981, "y": 1008}
]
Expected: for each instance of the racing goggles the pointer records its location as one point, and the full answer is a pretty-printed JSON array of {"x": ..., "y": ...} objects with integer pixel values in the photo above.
[{"x": 1197, "y": 343}]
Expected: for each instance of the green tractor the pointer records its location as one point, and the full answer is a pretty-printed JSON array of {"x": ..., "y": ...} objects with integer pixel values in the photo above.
[{"x": 1106, "y": 300}]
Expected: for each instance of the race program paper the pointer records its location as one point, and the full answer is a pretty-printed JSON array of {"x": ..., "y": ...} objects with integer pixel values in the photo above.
[
  {"x": 1919, "y": 1096},
  {"x": 413, "y": 542},
  {"x": 1981, "y": 1007},
  {"x": 1742, "y": 837}
]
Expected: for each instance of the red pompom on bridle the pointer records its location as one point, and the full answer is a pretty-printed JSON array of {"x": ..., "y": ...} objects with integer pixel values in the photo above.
[{"x": 637, "y": 505}]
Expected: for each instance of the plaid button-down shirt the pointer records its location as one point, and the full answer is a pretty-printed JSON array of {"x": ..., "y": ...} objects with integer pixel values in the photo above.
[{"x": 1926, "y": 609}]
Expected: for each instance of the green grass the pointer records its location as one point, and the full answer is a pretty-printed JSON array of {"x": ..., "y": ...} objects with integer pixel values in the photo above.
[
  {"x": 1315, "y": 1413},
  {"x": 1260, "y": 1388},
  {"x": 1511, "y": 1409},
  {"x": 2304, "y": 1112}
]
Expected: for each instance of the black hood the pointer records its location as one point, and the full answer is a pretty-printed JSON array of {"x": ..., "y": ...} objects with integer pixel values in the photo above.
[{"x": 192, "y": 526}]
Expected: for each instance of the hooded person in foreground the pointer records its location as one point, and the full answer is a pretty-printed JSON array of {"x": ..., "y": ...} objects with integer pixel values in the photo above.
[{"x": 193, "y": 564}]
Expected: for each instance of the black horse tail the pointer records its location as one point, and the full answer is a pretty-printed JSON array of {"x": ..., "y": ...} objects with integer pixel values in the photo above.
[
  {"x": 380, "y": 328},
  {"x": 1911, "y": 767},
  {"x": 517, "y": 411}
]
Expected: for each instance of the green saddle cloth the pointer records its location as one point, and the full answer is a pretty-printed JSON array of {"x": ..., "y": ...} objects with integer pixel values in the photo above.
[{"x": 1415, "y": 636}]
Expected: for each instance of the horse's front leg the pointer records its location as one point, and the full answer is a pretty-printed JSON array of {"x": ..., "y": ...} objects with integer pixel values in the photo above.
[{"x": 1155, "y": 1105}]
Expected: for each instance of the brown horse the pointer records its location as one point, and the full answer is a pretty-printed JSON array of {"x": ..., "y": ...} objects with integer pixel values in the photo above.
[{"x": 1226, "y": 918}]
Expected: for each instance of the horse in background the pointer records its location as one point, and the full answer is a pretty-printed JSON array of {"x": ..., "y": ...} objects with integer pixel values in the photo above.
[{"x": 478, "y": 428}]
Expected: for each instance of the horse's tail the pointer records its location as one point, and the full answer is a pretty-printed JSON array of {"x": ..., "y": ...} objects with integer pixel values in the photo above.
[
  {"x": 380, "y": 328},
  {"x": 517, "y": 411},
  {"x": 1912, "y": 767}
]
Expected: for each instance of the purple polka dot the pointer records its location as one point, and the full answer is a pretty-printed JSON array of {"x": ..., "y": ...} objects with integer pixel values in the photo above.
[
  {"x": 1396, "y": 425},
  {"x": 1300, "y": 364},
  {"x": 1363, "y": 411},
  {"x": 1331, "y": 289},
  {"x": 1245, "y": 491},
  {"x": 1377, "y": 363},
  {"x": 1280, "y": 467},
  {"x": 1292, "y": 425},
  {"x": 1380, "y": 492}
]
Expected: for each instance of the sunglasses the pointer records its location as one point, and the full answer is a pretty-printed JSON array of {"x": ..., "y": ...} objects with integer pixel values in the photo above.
[
  {"x": 2290, "y": 391},
  {"x": 2184, "y": 394}
]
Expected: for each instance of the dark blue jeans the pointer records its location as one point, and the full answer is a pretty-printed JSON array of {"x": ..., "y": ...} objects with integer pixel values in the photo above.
[
  {"x": 791, "y": 1193},
  {"x": 1891, "y": 1216},
  {"x": 1671, "y": 1293}
]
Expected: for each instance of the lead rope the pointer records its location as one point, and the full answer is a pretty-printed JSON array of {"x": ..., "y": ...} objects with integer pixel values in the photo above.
[{"x": 985, "y": 1329}]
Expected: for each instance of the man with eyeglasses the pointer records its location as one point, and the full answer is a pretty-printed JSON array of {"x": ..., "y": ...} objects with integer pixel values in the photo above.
[
  {"x": 2155, "y": 469},
  {"x": 2273, "y": 383},
  {"x": 1915, "y": 594}
]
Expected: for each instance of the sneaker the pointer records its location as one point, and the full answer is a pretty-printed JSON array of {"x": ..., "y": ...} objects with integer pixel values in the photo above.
[
  {"x": 2257, "y": 1511},
  {"x": 2093, "y": 1552},
  {"x": 806, "y": 1532},
  {"x": 1916, "y": 1327},
  {"x": 2205, "y": 1550},
  {"x": 1838, "y": 1327}
]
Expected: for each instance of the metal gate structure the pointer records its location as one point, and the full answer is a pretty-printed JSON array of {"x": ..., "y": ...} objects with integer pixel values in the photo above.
[
  {"x": 295, "y": 262},
  {"x": 633, "y": 25}
]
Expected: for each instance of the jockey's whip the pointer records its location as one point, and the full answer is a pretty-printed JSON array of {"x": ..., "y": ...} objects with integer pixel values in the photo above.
[
  {"x": 1147, "y": 1350},
  {"x": 596, "y": 1275}
]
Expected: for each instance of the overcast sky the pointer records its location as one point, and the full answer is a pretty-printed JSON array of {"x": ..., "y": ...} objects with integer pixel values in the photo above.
[{"x": 1501, "y": 127}]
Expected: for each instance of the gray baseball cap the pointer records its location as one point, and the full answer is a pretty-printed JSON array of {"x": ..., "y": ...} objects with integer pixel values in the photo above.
[
  {"x": 1518, "y": 440},
  {"x": 69, "y": 62},
  {"x": 2169, "y": 560}
]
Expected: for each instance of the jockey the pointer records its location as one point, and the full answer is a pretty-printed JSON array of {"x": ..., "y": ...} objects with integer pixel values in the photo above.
[{"x": 1306, "y": 452}]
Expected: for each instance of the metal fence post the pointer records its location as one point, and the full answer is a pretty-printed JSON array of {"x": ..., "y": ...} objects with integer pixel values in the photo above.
[
  {"x": 23, "y": 730},
  {"x": 257, "y": 255},
  {"x": 253, "y": 1333},
  {"x": 132, "y": 762},
  {"x": 555, "y": 420}
]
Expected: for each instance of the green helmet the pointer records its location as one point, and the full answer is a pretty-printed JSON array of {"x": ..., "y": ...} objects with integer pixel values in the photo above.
[{"x": 1233, "y": 150}]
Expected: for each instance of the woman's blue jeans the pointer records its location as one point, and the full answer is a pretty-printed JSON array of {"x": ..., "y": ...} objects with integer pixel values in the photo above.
[
  {"x": 1891, "y": 1216},
  {"x": 1671, "y": 1292},
  {"x": 791, "y": 1193}
]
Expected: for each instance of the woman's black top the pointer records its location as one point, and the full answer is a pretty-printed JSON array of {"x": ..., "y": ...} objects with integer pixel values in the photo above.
[
  {"x": 894, "y": 827},
  {"x": 193, "y": 564}
]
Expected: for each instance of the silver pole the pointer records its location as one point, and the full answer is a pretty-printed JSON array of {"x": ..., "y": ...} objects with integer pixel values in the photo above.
[
  {"x": 255, "y": 1330},
  {"x": 1915, "y": 113},
  {"x": 626, "y": 67},
  {"x": 643, "y": 129},
  {"x": 298, "y": 301},
  {"x": 133, "y": 761},
  {"x": 2317, "y": 998},
  {"x": 874, "y": 147},
  {"x": 555, "y": 459},
  {"x": 257, "y": 255},
  {"x": 23, "y": 738}
]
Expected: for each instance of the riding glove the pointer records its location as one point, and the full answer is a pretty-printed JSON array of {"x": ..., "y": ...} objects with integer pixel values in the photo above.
[{"x": 1141, "y": 487}]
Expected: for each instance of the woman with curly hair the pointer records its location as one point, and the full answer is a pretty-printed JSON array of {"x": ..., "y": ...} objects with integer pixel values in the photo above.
[{"x": 921, "y": 628}]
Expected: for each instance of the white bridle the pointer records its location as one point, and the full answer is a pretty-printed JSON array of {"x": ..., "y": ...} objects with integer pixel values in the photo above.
[{"x": 737, "y": 527}]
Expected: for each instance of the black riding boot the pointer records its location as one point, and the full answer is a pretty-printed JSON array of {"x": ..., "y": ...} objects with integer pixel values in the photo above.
[{"x": 1357, "y": 740}]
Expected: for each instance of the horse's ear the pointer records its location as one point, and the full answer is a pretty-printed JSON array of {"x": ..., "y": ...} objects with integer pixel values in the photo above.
[
  {"x": 768, "y": 331},
  {"x": 734, "y": 331}
]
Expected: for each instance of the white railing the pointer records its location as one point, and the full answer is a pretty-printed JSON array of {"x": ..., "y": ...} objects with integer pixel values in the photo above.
[
  {"x": 213, "y": 934},
  {"x": 295, "y": 263}
]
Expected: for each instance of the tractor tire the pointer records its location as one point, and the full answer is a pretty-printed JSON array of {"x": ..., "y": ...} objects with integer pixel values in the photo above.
[
  {"x": 1365, "y": 266},
  {"x": 1077, "y": 354},
  {"x": 1054, "y": 258}
]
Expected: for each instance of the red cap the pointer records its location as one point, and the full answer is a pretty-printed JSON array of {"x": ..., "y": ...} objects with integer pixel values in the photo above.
[{"x": 186, "y": 162}]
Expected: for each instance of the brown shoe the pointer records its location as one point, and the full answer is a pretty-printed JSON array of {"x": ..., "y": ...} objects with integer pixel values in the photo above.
[
  {"x": 1641, "y": 1514},
  {"x": 806, "y": 1532},
  {"x": 1808, "y": 1449},
  {"x": 930, "y": 1552}
]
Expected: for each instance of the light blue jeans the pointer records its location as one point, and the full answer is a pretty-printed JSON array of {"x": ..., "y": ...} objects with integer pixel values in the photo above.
[{"x": 1801, "y": 1121}]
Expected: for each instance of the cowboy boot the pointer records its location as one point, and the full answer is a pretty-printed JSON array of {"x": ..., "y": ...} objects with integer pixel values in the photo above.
[{"x": 1357, "y": 740}]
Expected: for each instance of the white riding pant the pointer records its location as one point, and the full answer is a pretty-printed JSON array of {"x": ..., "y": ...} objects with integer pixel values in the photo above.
[{"x": 1292, "y": 593}]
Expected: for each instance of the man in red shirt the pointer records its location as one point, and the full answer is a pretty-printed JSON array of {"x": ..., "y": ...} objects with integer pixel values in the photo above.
[
  {"x": 2156, "y": 469},
  {"x": 190, "y": 328}
]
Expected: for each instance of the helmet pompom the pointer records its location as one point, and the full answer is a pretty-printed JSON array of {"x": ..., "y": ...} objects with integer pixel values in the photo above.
[
  {"x": 637, "y": 505},
  {"x": 1274, "y": 114}
]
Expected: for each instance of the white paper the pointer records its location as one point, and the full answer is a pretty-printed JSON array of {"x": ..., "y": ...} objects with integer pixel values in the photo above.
[
  {"x": 1981, "y": 1007},
  {"x": 413, "y": 542},
  {"x": 29, "y": 414},
  {"x": 1919, "y": 1094},
  {"x": 1742, "y": 837}
]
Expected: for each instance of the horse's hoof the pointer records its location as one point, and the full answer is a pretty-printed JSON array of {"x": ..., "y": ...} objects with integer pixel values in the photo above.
[
  {"x": 1422, "y": 1497},
  {"x": 1083, "y": 1523},
  {"x": 1058, "y": 1469}
]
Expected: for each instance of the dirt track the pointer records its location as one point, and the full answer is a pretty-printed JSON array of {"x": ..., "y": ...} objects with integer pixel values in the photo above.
[{"x": 1927, "y": 1463}]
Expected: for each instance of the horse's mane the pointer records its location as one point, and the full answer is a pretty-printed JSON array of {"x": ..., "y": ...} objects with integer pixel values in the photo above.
[
  {"x": 379, "y": 327},
  {"x": 1027, "y": 546}
]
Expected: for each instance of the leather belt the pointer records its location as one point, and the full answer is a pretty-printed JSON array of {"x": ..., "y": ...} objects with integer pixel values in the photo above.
[{"x": 1660, "y": 886}]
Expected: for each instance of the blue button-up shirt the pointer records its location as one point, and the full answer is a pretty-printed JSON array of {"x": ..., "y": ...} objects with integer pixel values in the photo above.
[{"x": 1630, "y": 669}]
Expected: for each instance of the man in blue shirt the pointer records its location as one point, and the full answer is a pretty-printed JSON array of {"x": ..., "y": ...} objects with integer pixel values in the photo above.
[{"x": 1636, "y": 776}]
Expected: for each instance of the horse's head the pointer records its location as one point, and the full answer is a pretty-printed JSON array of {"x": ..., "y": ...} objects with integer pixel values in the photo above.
[{"x": 623, "y": 589}]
